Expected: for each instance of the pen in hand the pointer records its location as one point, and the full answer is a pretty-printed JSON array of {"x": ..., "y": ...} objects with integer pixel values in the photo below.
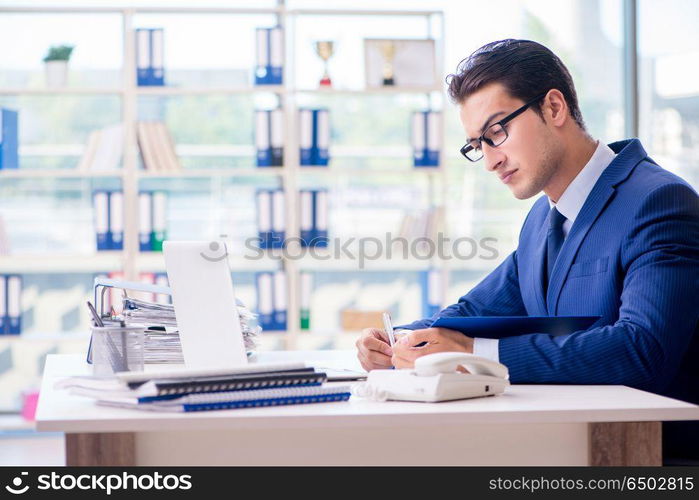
[{"x": 389, "y": 328}]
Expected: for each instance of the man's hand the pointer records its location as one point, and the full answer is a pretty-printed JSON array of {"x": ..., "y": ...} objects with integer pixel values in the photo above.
[
  {"x": 436, "y": 340},
  {"x": 373, "y": 349}
]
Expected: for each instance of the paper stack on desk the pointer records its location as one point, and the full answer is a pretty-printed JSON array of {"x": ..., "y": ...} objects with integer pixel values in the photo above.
[
  {"x": 187, "y": 390},
  {"x": 162, "y": 345}
]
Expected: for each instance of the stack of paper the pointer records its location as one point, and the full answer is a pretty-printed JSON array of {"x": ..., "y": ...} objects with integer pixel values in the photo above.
[
  {"x": 161, "y": 345},
  {"x": 252, "y": 385}
]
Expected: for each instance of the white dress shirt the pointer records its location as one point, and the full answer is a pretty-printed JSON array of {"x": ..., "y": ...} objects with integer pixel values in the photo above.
[{"x": 569, "y": 205}]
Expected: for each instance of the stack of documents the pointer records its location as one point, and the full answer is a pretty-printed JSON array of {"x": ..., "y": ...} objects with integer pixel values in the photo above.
[
  {"x": 188, "y": 390},
  {"x": 162, "y": 345},
  {"x": 149, "y": 313}
]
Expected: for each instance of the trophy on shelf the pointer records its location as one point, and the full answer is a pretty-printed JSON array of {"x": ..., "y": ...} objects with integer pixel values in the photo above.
[
  {"x": 325, "y": 49},
  {"x": 388, "y": 51}
]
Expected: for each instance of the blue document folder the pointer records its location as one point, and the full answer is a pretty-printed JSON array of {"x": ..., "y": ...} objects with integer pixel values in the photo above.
[{"x": 496, "y": 327}]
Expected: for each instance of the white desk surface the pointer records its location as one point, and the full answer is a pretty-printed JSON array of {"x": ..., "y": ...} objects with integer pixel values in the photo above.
[{"x": 521, "y": 404}]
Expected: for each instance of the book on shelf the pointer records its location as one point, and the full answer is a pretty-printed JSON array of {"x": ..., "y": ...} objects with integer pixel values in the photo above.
[
  {"x": 313, "y": 205},
  {"x": 269, "y": 137},
  {"x": 269, "y": 63},
  {"x": 103, "y": 150},
  {"x": 425, "y": 138},
  {"x": 9, "y": 139},
  {"x": 157, "y": 147},
  {"x": 423, "y": 224},
  {"x": 10, "y": 304},
  {"x": 314, "y": 136},
  {"x": 150, "y": 57},
  {"x": 109, "y": 219}
]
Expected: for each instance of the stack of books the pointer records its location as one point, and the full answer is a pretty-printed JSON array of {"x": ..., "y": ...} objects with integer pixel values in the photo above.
[
  {"x": 188, "y": 390},
  {"x": 157, "y": 147}
]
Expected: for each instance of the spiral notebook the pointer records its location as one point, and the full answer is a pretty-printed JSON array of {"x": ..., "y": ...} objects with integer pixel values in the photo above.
[
  {"x": 236, "y": 399},
  {"x": 162, "y": 389}
]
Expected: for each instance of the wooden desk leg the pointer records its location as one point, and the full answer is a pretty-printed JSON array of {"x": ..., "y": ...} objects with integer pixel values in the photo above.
[
  {"x": 113, "y": 448},
  {"x": 626, "y": 443}
]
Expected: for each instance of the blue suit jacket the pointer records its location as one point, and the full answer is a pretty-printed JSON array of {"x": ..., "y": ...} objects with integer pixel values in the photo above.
[{"x": 631, "y": 257}]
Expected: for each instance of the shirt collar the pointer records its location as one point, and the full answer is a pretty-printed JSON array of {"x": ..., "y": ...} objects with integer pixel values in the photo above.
[{"x": 573, "y": 198}]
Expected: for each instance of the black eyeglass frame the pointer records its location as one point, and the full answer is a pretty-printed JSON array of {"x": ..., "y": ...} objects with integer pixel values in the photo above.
[{"x": 467, "y": 148}]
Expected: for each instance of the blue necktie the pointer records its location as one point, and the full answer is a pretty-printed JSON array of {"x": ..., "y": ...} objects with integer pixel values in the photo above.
[{"x": 554, "y": 241}]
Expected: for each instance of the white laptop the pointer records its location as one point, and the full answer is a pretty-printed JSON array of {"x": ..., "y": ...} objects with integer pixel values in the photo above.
[{"x": 205, "y": 307}]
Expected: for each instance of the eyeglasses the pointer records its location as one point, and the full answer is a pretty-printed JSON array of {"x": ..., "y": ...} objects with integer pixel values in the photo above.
[{"x": 495, "y": 134}]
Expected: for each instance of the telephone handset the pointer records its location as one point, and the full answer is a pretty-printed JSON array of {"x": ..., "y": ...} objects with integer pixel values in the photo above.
[
  {"x": 448, "y": 362},
  {"x": 442, "y": 376}
]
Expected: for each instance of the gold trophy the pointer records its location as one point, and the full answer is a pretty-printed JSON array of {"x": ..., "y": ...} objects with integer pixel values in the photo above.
[
  {"x": 325, "y": 49},
  {"x": 388, "y": 50}
]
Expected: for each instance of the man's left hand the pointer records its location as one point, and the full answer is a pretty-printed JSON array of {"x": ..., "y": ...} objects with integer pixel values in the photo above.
[{"x": 436, "y": 340}]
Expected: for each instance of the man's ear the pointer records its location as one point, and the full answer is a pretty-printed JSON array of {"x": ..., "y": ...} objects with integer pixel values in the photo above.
[{"x": 555, "y": 107}]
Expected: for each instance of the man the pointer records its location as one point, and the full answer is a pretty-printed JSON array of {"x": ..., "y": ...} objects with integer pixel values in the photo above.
[{"x": 614, "y": 236}]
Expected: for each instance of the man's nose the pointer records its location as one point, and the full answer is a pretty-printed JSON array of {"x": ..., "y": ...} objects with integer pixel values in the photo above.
[{"x": 492, "y": 157}]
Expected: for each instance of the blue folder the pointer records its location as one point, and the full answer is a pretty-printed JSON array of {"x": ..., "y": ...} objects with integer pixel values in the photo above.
[{"x": 496, "y": 327}]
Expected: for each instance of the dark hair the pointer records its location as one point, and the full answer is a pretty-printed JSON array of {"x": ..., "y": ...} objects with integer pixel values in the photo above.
[{"x": 525, "y": 68}]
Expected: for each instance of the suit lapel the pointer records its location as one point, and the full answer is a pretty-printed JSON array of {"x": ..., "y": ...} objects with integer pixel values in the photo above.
[
  {"x": 596, "y": 201},
  {"x": 629, "y": 154}
]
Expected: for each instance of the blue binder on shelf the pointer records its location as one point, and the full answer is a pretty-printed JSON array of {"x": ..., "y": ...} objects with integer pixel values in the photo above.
[
  {"x": 264, "y": 218},
  {"x": 145, "y": 220},
  {"x": 269, "y": 137},
  {"x": 425, "y": 132},
  {"x": 150, "y": 66},
  {"x": 320, "y": 219},
  {"x": 306, "y": 220},
  {"x": 14, "y": 304},
  {"x": 9, "y": 142},
  {"x": 419, "y": 138},
  {"x": 3, "y": 305},
  {"x": 101, "y": 206},
  {"x": 434, "y": 135},
  {"x": 265, "y": 300},
  {"x": 278, "y": 218},
  {"x": 279, "y": 303},
  {"x": 431, "y": 292},
  {"x": 276, "y": 136},
  {"x": 314, "y": 137},
  {"x": 116, "y": 220},
  {"x": 306, "y": 136},
  {"x": 495, "y": 327},
  {"x": 269, "y": 67},
  {"x": 321, "y": 137},
  {"x": 262, "y": 138},
  {"x": 270, "y": 218}
]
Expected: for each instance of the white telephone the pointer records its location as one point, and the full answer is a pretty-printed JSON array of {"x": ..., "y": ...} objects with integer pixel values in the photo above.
[{"x": 436, "y": 378}]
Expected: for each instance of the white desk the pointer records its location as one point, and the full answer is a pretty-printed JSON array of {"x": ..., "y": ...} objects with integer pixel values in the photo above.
[{"x": 528, "y": 425}]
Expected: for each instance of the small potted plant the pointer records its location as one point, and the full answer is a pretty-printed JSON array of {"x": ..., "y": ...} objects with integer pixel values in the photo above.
[{"x": 57, "y": 65}]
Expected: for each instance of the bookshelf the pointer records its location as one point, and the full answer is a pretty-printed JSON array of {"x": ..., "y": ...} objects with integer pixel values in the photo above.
[{"x": 291, "y": 177}]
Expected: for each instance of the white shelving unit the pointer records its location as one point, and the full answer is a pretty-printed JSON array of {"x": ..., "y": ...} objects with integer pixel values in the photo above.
[{"x": 130, "y": 259}]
